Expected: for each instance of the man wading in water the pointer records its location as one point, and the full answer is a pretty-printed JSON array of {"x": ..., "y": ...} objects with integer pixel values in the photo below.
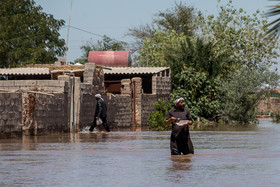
[
  {"x": 180, "y": 141},
  {"x": 100, "y": 112}
]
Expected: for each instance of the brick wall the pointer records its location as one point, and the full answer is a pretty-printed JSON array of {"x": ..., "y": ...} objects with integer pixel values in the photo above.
[
  {"x": 119, "y": 112},
  {"x": 47, "y": 86},
  {"x": 11, "y": 114},
  {"x": 45, "y": 113},
  {"x": 161, "y": 85},
  {"x": 93, "y": 84},
  {"x": 87, "y": 110},
  {"x": 42, "y": 106}
]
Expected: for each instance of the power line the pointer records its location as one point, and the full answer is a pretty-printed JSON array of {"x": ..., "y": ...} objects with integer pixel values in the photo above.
[
  {"x": 95, "y": 34},
  {"x": 86, "y": 31},
  {"x": 89, "y": 32}
]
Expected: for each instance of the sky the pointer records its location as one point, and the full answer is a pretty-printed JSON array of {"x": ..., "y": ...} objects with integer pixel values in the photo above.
[{"x": 92, "y": 19}]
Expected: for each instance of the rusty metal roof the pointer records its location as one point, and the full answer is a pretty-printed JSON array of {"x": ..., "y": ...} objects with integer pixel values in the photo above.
[
  {"x": 133, "y": 70},
  {"x": 24, "y": 71}
]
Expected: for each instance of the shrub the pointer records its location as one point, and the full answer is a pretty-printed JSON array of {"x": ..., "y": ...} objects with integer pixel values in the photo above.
[{"x": 157, "y": 119}]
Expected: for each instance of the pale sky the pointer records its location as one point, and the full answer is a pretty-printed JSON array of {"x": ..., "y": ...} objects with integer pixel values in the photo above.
[{"x": 113, "y": 18}]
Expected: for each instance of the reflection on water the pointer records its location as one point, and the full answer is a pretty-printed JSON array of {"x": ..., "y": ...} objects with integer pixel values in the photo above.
[
  {"x": 247, "y": 157},
  {"x": 180, "y": 162}
]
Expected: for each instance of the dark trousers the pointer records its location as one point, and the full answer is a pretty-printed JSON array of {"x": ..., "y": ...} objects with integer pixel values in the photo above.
[
  {"x": 181, "y": 145},
  {"x": 104, "y": 120}
]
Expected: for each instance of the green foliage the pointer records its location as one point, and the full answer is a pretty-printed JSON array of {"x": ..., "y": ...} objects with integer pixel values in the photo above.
[
  {"x": 180, "y": 19},
  {"x": 157, "y": 119},
  {"x": 153, "y": 49},
  {"x": 242, "y": 35},
  {"x": 101, "y": 45},
  {"x": 196, "y": 69},
  {"x": 274, "y": 25},
  {"x": 28, "y": 35},
  {"x": 241, "y": 94},
  {"x": 221, "y": 67},
  {"x": 199, "y": 92},
  {"x": 276, "y": 118}
]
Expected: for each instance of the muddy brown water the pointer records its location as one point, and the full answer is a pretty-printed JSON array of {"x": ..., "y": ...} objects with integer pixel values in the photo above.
[{"x": 247, "y": 157}]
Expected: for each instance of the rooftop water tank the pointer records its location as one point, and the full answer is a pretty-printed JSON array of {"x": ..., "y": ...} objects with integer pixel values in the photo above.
[{"x": 110, "y": 58}]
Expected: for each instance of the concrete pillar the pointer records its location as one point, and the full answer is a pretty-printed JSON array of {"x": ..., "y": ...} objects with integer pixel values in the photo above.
[
  {"x": 69, "y": 97},
  {"x": 90, "y": 73},
  {"x": 154, "y": 84},
  {"x": 75, "y": 103},
  {"x": 77, "y": 100},
  {"x": 74, "y": 100},
  {"x": 126, "y": 86},
  {"x": 136, "y": 103}
]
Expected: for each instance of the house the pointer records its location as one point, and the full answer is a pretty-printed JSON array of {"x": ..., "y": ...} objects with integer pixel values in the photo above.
[{"x": 39, "y": 100}]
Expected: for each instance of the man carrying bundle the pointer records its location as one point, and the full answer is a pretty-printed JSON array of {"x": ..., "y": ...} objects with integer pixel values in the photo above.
[{"x": 100, "y": 113}]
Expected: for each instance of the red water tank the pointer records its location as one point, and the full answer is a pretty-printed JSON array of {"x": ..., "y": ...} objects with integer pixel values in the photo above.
[{"x": 110, "y": 58}]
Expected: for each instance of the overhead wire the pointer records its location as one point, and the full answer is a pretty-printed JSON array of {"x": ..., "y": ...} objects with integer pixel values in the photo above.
[{"x": 89, "y": 32}]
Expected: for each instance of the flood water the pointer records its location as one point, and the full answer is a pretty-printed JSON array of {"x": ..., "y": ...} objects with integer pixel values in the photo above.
[{"x": 248, "y": 157}]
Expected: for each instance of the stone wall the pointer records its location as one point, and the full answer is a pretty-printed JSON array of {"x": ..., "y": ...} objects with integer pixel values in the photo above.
[
  {"x": 271, "y": 105},
  {"x": 11, "y": 114}
]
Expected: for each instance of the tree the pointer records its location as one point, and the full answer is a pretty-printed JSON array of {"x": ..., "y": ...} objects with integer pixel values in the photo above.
[
  {"x": 222, "y": 48},
  {"x": 242, "y": 35},
  {"x": 241, "y": 92},
  {"x": 101, "y": 45},
  {"x": 27, "y": 34},
  {"x": 180, "y": 19},
  {"x": 196, "y": 69},
  {"x": 275, "y": 24}
]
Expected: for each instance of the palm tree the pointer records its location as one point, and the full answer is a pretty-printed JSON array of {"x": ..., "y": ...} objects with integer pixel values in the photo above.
[{"x": 274, "y": 29}]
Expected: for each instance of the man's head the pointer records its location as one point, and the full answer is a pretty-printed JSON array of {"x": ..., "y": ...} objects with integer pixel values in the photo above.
[
  {"x": 97, "y": 96},
  {"x": 179, "y": 103}
]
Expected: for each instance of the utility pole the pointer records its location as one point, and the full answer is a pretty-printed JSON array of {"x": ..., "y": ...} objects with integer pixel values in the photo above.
[{"x": 67, "y": 40}]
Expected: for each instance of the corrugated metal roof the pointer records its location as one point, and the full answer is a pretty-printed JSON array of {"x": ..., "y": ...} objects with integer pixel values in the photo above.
[
  {"x": 67, "y": 70},
  {"x": 107, "y": 70},
  {"x": 133, "y": 70},
  {"x": 24, "y": 71}
]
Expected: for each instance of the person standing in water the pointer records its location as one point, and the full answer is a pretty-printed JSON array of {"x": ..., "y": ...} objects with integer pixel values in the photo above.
[
  {"x": 100, "y": 113},
  {"x": 180, "y": 141}
]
